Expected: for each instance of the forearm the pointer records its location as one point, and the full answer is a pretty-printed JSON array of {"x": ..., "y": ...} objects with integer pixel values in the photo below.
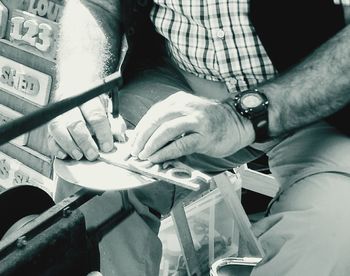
[
  {"x": 314, "y": 89},
  {"x": 88, "y": 45}
]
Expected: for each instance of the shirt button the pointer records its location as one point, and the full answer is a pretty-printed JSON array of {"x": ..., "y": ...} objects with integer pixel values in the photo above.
[{"x": 220, "y": 34}]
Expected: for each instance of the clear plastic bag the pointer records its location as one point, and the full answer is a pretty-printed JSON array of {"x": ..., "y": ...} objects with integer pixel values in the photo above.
[{"x": 213, "y": 230}]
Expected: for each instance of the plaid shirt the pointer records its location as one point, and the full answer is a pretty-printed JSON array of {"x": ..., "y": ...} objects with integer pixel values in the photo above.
[{"x": 215, "y": 40}]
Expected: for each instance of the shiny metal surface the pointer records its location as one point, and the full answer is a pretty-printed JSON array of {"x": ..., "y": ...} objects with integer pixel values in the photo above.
[{"x": 233, "y": 266}]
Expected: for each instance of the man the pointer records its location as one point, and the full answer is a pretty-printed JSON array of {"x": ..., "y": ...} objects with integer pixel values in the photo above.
[{"x": 215, "y": 53}]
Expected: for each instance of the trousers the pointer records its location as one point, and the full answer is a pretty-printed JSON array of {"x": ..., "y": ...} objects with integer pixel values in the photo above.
[{"x": 305, "y": 230}]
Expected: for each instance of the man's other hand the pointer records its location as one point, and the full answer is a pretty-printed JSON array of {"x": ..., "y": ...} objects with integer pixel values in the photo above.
[
  {"x": 184, "y": 124},
  {"x": 72, "y": 132}
]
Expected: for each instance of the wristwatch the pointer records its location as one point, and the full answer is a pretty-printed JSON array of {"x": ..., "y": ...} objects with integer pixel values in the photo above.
[{"x": 253, "y": 105}]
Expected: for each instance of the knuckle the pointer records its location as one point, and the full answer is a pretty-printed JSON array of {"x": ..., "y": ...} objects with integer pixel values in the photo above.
[
  {"x": 55, "y": 149},
  {"x": 77, "y": 128},
  {"x": 81, "y": 140},
  {"x": 180, "y": 145},
  {"x": 98, "y": 121},
  {"x": 104, "y": 137},
  {"x": 198, "y": 117},
  {"x": 166, "y": 130},
  {"x": 53, "y": 126},
  {"x": 97, "y": 117},
  {"x": 80, "y": 134},
  {"x": 169, "y": 128}
]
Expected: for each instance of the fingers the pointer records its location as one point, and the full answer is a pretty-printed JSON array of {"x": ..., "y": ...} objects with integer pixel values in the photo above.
[
  {"x": 71, "y": 136},
  {"x": 96, "y": 117},
  {"x": 149, "y": 123},
  {"x": 55, "y": 149},
  {"x": 83, "y": 139},
  {"x": 180, "y": 147},
  {"x": 58, "y": 130},
  {"x": 72, "y": 132},
  {"x": 167, "y": 132}
]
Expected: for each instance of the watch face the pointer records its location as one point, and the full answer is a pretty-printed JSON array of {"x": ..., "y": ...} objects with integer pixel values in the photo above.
[
  {"x": 253, "y": 104},
  {"x": 251, "y": 100}
]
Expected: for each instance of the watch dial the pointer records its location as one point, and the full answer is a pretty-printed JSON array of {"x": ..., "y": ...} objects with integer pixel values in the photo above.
[{"x": 251, "y": 100}]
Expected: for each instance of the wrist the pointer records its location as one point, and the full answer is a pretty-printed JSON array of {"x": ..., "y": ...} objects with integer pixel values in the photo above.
[
  {"x": 252, "y": 105},
  {"x": 240, "y": 125}
]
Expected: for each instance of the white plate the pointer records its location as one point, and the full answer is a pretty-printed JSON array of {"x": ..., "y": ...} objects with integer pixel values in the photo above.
[
  {"x": 99, "y": 175},
  {"x": 119, "y": 171}
]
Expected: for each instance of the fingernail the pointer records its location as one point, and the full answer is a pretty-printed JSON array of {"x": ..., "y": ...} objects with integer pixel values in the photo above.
[
  {"x": 121, "y": 138},
  {"x": 133, "y": 152},
  {"x": 61, "y": 155},
  {"x": 107, "y": 147},
  {"x": 91, "y": 154},
  {"x": 142, "y": 156},
  {"x": 146, "y": 164},
  {"x": 77, "y": 154}
]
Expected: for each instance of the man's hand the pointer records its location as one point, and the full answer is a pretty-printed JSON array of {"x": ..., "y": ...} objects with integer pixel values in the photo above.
[
  {"x": 184, "y": 124},
  {"x": 88, "y": 50},
  {"x": 71, "y": 133}
]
